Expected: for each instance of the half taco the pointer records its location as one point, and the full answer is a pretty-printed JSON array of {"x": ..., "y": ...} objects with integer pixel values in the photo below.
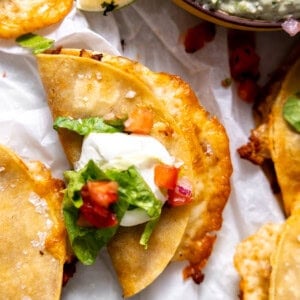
[
  {"x": 118, "y": 121},
  {"x": 33, "y": 236},
  {"x": 268, "y": 260}
]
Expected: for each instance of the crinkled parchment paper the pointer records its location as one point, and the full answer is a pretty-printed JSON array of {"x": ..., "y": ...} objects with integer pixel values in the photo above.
[{"x": 150, "y": 31}]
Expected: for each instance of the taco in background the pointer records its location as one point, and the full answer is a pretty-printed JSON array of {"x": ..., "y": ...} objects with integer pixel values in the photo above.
[
  {"x": 33, "y": 236},
  {"x": 161, "y": 161},
  {"x": 268, "y": 260},
  {"x": 275, "y": 142}
]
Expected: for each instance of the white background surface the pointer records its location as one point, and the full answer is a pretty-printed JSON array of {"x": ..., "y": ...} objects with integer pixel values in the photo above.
[{"x": 152, "y": 32}]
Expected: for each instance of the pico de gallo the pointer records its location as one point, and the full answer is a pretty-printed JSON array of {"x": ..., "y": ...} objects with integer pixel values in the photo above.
[{"x": 123, "y": 178}]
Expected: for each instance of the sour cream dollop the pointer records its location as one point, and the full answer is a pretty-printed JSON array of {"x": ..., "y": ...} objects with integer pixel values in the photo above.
[{"x": 121, "y": 150}]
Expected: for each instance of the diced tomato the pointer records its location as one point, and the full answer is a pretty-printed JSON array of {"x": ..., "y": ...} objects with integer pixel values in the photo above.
[
  {"x": 103, "y": 193},
  {"x": 165, "y": 176},
  {"x": 196, "y": 37},
  {"x": 98, "y": 216},
  {"x": 181, "y": 195},
  {"x": 97, "y": 197},
  {"x": 177, "y": 199},
  {"x": 244, "y": 62},
  {"x": 248, "y": 90},
  {"x": 140, "y": 120}
]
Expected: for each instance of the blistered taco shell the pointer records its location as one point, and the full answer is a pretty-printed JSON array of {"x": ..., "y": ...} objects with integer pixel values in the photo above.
[
  {"x": 79, "y": 83},
  {"x": 274, "y": 138},
  {"x": 252, "y": 261},
  {"x": 18, "y": 17},
  {"x": 32, "y": 237},
  {"x": 285, "y": 262},
  {"x": 285, "y": 142}
]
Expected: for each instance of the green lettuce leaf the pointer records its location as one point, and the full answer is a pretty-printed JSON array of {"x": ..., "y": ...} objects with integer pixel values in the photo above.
[
  {"x": 89, "y": 125},
  {"x": 35, "y": 42},
  {"x": 291, "y": 111},
  {"x": 132, "y": 192},
  {"x": 136, "y": 190},
  {"x": 148, "y": 231}
]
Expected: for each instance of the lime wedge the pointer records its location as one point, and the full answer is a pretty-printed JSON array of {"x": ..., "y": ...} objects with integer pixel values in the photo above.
[{"x": 102, "y": 6}]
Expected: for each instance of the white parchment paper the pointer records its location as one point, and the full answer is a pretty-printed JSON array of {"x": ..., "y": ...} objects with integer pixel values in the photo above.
[{"x": 150, "y": 31}]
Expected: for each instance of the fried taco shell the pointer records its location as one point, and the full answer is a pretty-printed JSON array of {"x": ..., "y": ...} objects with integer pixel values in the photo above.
[
  {"x": 284, "y": 283},
  {"x": 81, "y": 83},
  {"x": 274, "y": 139},
  {"x": 18, "y": 17},
  {"x": 268, "y": 260},
  {"x": 33, "y": 248}
]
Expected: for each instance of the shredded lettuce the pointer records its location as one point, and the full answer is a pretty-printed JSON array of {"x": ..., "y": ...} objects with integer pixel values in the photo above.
[
  {"x": 35, "y": 42},
  {"x": 132, "y": 192},
  {"x": 136, "y": 190},
  {"x": 89, "y": 125},
  {"x": 148, "y": 231}
]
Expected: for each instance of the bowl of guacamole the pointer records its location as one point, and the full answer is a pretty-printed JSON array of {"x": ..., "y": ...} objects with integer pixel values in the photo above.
[{"x": 245, "y": 14}]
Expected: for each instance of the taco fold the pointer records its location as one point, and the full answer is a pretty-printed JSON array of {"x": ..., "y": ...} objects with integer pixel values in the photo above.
[
  {"x": 162, "y": 160},
  {"x": 268, "y": 261},
  {"x": 33, "y": 237}
]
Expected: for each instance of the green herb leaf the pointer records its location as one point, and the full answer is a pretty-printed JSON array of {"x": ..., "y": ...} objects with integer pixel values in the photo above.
[
  {"x": 291, "y": 111},
  {"x": 35, "y": 42},
  {"x": 133, "y": 192},
  {"x": 88, "y": 125}
]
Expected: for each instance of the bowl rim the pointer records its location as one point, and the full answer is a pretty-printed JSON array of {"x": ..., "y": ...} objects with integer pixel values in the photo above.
[{"x": 239, "y": 21}]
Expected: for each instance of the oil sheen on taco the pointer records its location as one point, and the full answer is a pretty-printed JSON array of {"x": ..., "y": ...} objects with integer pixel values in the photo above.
[
  {"x": 151, "y": 166},
  {"x": 268, "y": 261},
  {"x": 33, "y": 236}
]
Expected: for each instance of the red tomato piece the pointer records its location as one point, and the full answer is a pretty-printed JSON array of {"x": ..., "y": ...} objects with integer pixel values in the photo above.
[
  {"x": 248, "y": 90},
  {"x": 179, "y": 196},
  {"x": 140, "y": 120},
  {"x": 196, "y": 37},
  {"x": 165, "y": 176},
  {"x": 97, "y": 197},
  {"x": 177, "y": 199},
  {"x": 98, "y": 216},
  {"x": 103, "y": 193},
  {"x": 244, "y": 62}
]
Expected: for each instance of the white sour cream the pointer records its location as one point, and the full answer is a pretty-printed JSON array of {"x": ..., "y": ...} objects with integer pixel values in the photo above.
[{"x": 121, "y": 150}]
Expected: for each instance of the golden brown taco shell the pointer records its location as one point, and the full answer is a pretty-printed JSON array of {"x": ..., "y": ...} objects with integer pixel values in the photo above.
[
  {"x": 81, "y": 83},
  {"x": 33, "y": 241}
]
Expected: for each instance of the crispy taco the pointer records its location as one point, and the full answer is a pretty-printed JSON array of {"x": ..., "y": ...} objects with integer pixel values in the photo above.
[
  {"x": 33, "y": 235},
  {"x": 18, "y": 17},
  {"x": 142, "y": 140},
  {"x": 275, "y": 143},
  {"x": 268, "y": 260}
]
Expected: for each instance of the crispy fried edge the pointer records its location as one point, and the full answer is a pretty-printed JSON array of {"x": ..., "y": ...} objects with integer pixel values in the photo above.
[{"x": 12, "y": 27}]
